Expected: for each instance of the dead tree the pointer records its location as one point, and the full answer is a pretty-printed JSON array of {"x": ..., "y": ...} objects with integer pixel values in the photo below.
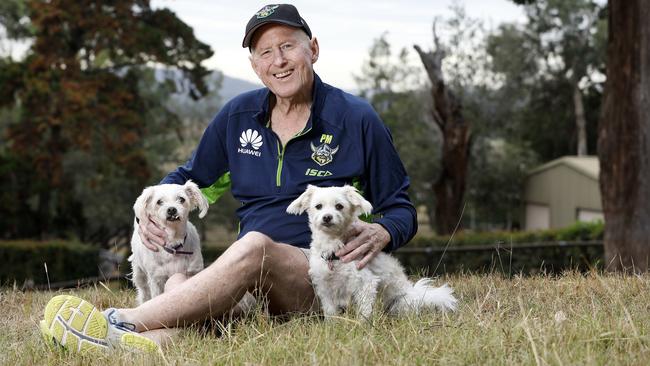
[
  {"x": 624, "y": 137},
  {"x": 581, "y": 121},
  {"x": 447, "y": 113}
]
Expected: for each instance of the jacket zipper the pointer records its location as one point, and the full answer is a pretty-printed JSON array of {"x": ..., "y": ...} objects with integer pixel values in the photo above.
[
  {"x": 278, "y": 173},
  {"x": 281, "y": 150}
]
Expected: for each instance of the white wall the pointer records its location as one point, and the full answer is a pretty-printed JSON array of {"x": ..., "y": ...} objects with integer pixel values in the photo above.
[{"x": 538, "y": 217}]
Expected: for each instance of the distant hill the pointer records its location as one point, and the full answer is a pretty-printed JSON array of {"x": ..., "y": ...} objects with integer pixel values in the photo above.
[{"x": 231, "y": 87}]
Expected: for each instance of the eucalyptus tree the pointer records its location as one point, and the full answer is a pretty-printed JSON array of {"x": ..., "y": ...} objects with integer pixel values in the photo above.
[{"x": 89, "y": 110}]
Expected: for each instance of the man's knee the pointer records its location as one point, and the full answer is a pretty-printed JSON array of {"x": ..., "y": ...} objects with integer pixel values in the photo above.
[
  {"x": 258, "y": 253},
  {"x": 175, "y": 280},
  {"x": 254, "y": 245}
]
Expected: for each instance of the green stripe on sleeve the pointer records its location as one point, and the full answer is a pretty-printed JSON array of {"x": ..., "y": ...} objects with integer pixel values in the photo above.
[{"x": 217, "y": 189}]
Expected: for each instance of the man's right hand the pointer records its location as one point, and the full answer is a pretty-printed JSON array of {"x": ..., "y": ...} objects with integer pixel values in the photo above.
[{"x": 151, "y": 235}]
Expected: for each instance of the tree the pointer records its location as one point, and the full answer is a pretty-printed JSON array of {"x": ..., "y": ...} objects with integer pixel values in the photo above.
[
  {"x": 554, "y": 64},
  {"x": 447, "y": 113},
  {"x": 87, "y": 112},
  {"x": 624, "y": 136},
  {"x": 394, "y": 88}
]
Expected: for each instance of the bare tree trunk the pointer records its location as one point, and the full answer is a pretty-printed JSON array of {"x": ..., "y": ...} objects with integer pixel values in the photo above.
[
  {"x": 447, "y": 113},
  {"x": 624, "y": 137},
  {"x": 581, "y": 122}
]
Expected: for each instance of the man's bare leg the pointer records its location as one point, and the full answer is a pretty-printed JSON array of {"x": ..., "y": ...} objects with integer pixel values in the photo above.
[
  {"x": 164, "y": 336},
  {"x": 253, "y": 262}
]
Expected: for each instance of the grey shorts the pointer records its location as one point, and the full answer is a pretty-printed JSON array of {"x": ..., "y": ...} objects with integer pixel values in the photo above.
[{"x": 306, "y": 252}]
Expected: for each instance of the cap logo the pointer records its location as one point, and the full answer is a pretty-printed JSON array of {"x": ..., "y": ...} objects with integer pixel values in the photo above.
[{"x": 266, "y": 11}]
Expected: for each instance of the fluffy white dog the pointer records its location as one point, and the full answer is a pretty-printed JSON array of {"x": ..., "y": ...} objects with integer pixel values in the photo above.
[
  {"x": 168, "y": 205},
  {"x": 331, "y": 211}
]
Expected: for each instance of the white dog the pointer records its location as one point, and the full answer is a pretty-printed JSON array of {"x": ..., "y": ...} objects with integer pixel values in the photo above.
[
  {"x": 168, "y": 205},
  {"x": 331, "y": 212}
]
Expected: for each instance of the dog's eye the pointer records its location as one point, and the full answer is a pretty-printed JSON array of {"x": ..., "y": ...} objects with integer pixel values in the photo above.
[
  {"x": 339, "y": 206},
  {"x": 181, "y": 199},
  {"x": 319, "y": 206},
  {"x": 159, "y": 203}
]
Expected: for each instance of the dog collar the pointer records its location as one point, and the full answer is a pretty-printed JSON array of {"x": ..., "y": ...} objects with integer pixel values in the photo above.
[
  {"x": 175, "y": 249},
  {"x": 329, "y": 259}
]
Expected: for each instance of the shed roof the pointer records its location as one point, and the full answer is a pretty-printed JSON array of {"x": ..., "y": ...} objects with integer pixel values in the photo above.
[{"x": 587, "y": 165}]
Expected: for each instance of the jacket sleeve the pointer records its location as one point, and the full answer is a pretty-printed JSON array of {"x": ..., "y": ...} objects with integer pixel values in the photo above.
[
  {"x": 387, "y": 183},
  {"x": 209, "y": 161}
]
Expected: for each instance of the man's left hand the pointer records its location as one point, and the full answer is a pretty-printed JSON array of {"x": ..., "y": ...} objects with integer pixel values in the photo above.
[{"x": 364, "y": 243}]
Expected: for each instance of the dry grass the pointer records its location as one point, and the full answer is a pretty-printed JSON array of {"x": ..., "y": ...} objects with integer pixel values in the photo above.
[{"x": 571, "y": 319}]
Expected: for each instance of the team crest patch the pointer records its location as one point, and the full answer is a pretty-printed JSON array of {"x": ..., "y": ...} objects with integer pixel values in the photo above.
[
  {"x": 323, "y": 154},
  {"x": 266, "y": 11}
]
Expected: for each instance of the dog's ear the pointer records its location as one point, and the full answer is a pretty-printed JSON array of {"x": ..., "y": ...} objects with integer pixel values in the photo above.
[
  {"x": 141, "y": 203},
  {"x": 197, "y": 199},
  {"x": 361, "y": 206},
  {"x": 301, "y": 204}
]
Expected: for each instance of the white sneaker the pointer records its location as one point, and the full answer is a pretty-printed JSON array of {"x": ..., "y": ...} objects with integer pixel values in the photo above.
[{"x": 77, "y": 326}]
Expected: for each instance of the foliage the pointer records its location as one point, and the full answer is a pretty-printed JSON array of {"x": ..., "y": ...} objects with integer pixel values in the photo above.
[
  {"x": 506, "y": 259},
  {"x": 518, "y": 96},
  {"x": 526, "y": 252},
  {"x": 14, "y": 19},
  {"x": 466, "y": 65},
  {"x": 391, "y": 83},
  {"x": 496, "y": 176},
  {"x": 27, "y": 261},
  {"x": 560, "y": 48},
  {"x": 89, "y": 111},
  {"x": 569, "y": 319},
  {"x": 580, "y": 231},
  {"x": 517, "y": 86},
  {"x": 522, "y": 109}
]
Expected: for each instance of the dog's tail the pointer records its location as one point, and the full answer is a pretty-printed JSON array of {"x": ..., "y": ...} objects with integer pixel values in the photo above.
[{"x": 422, "y": 295}]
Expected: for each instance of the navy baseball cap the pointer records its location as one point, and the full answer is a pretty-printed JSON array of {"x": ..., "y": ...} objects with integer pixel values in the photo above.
[{"x": 275, "y": 13}]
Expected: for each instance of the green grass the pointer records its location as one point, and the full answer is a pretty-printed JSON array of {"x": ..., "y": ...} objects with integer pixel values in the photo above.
[{"x": 571, "y": 319}]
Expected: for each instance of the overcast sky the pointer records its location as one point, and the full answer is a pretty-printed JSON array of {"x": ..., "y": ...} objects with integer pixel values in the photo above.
[{"x": 345, "y": 28}]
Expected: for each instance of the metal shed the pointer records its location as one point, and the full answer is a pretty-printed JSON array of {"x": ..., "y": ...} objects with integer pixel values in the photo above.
[{"x": 561, "y": 192}]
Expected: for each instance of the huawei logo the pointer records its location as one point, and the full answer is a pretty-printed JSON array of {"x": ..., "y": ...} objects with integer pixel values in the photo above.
[{"x": 251, "y": 137}]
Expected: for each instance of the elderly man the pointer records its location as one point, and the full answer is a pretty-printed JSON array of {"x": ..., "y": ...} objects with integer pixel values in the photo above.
[{"x": 267, "y": 145}]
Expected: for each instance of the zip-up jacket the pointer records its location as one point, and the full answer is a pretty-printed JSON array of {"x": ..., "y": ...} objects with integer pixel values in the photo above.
[{"x": 344, "y": 142}]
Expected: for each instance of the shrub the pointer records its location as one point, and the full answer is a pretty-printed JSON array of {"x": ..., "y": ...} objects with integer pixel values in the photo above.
[
  {"x": 501, "y": 252},
  {"x": 580, "y": 231},
  {"x": 506, "y": 252},
  {"x": 25, "y": 261}
]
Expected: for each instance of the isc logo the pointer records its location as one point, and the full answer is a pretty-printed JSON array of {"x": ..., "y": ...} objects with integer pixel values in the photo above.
[{"x": 318, "y": 173}]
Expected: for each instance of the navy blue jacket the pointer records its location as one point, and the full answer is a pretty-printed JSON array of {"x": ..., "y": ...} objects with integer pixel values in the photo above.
[{"x": 344, "y": 142}]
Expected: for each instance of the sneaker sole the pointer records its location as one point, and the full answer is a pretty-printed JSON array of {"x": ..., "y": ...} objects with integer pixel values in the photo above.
[{"x": 77, "y": 326}]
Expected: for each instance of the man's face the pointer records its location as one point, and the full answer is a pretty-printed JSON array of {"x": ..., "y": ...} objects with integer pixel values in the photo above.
[{"x": 282, "y": 58}]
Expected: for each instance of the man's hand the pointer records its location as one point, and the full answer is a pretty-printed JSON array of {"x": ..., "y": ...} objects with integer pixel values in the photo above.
[
  {"x": 364, "y": 243},
  {"x": 151, "y": 235}
]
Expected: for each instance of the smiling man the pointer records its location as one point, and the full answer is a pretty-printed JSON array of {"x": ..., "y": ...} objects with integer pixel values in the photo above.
[{"x": 267, "y": 145}]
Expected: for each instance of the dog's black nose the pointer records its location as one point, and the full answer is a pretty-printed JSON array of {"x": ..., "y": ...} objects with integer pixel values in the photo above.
[
  {"x": 327, "y": 218},
  {"x": 171, "y": 211}
]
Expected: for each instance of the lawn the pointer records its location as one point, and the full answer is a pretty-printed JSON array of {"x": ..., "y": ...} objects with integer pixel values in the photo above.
[{"x": 570, "y": 319}]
